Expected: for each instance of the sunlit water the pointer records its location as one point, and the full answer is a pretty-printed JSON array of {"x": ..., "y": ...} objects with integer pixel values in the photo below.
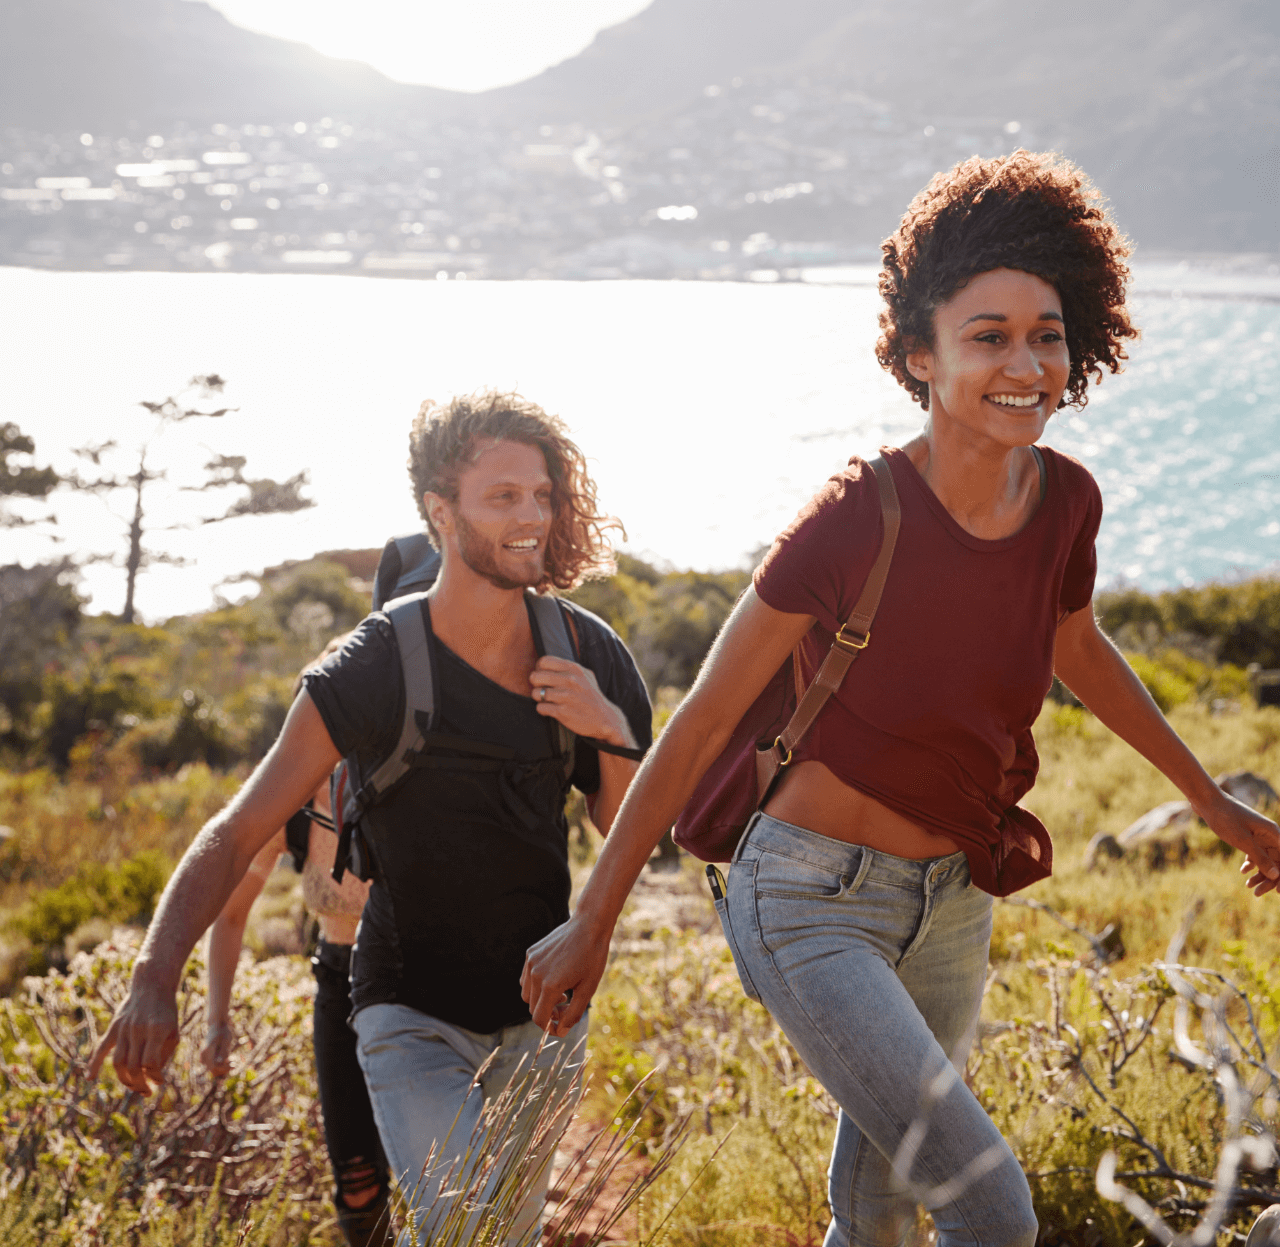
[{"x": 711, "y": 410}]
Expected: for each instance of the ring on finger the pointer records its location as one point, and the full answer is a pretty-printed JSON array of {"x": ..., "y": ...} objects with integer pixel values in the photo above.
[{"x": 542, "y": 693}]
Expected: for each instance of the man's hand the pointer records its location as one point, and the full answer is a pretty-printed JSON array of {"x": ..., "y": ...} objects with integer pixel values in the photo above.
[
  {"x": 143, "y": 1035},
  {"x": 569, "y": 961},
  {"x": 1258, "y": 838},
  {"x": 216, "y": 1053},
  {"x": 569, "y": 693}
]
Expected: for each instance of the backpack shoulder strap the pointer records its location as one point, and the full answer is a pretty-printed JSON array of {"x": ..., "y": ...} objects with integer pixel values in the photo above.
[
  {"x": 552, "y": 624},
  {"x": 413, "y": 641},
  {"x": 855, "y": 632}
]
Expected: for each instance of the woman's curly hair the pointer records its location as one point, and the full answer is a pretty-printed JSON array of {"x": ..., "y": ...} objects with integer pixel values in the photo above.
[
  {"x": 443, "y": 441},
  {"x": 1034, "y": 212}
]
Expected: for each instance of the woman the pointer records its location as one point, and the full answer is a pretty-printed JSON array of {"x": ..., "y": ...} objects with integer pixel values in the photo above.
[
  {"x": 859, "y": 902},
  {"x": 351, "y": 1135}
]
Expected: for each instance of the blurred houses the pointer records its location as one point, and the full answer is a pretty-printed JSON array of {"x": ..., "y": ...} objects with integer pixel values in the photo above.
[{"x": 696, "y": 140}]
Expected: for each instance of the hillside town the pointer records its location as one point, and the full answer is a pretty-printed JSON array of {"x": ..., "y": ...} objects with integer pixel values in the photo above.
[{"x": 751, "y": 181}]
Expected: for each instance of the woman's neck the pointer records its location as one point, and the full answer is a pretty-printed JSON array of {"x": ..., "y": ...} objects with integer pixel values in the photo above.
[{"x": 991, "y": 491}]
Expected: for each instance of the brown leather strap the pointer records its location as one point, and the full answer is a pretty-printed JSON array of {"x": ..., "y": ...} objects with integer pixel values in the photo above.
[{"x": 855, "y": 632}]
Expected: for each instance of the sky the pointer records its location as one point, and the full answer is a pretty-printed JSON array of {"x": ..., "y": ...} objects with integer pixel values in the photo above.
[{"x": 469, "y": 46}]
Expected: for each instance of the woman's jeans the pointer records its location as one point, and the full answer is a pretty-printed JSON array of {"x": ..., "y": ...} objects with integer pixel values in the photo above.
[{"x": 874, "y": 966}]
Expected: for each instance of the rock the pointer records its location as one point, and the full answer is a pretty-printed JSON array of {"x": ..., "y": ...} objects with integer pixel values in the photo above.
[
  {"x": 1245, "y": 786},
  {"x": 1103, "y": 842},
  {"x": 1162, "y": 831},
  {"x": 1166, "y": 817},
  {"x": 1109, "y": 943},
  {"x": 1266, "y": 1229}
]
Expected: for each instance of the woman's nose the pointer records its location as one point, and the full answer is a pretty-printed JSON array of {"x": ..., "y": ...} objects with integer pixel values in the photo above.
[{"x": 1024, "y": 363}]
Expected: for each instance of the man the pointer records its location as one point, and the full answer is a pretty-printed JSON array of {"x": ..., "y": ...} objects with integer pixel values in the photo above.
[{"x": 469, "y": 852}]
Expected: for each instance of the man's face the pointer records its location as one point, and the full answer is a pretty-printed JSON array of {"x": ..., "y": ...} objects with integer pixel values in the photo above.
[{"x": 502, "y": 518}]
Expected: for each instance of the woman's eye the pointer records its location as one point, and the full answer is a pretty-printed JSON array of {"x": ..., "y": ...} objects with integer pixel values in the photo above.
[{"x": 991, "y": 337}]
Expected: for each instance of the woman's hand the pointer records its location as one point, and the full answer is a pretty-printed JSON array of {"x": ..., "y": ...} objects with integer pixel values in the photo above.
[
  {"x": 569, "y": 693},
  {"x": 570, "y": 961},
  {"x": 1256, "y": 836},
  {"x": 216, "y": 1053},
  {"x": 1095, "y": 671}
]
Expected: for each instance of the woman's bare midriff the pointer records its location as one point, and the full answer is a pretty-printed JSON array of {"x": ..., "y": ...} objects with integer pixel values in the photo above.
[
  {"x": 337, "y": 906},
  {"x": 810, "y": 796}
]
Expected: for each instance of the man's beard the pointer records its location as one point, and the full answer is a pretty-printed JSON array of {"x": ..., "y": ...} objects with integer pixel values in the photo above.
[{"x": 478, "y": 554}]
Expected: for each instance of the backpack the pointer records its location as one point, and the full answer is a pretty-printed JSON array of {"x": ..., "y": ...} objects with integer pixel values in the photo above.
[
  {"x": 741, "y": 779},
  {"x": 408, "y": 567},
  {"x": 409, "y": 564}
]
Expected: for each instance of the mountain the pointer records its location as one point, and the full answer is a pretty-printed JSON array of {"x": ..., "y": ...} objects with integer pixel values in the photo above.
[
  {"x": 103, "y": 65},
  {"x": 665, "y": 56},
  {"x": 696, "y": 133},
  {"x": 1173, "y": 106}
]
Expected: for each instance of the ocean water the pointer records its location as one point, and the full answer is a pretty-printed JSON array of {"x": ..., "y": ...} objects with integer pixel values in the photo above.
[{"x": 711, "y": 410}]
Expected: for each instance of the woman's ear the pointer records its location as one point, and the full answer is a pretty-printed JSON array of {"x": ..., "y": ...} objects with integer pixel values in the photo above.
[{"x": 920, "y": 363}]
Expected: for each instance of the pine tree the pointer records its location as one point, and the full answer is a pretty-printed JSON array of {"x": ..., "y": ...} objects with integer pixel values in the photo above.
[{"x": 263, "y": 497}]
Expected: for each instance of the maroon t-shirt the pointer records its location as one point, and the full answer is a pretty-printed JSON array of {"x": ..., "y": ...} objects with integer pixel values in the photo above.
[{"x": 934, "y": 718}]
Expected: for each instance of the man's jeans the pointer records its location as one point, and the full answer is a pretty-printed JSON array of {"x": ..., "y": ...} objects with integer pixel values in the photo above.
[
  {"x": 874, "y": 966},
  {"x": 421, "y": 1074}
]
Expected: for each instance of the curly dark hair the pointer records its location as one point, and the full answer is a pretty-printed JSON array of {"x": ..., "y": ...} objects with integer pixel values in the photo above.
[
  {"x": 443, "y": 441},
  {"x": 1032, "y": 211}
]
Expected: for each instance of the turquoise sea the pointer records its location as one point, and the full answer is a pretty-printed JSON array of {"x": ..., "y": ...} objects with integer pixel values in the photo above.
[{"x": 711, "y": 410}]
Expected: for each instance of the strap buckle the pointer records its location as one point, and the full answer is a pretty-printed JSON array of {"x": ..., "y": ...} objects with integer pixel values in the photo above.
[
  {"x": 777, "y": 744},
  {"x": 852, "y": 641}
]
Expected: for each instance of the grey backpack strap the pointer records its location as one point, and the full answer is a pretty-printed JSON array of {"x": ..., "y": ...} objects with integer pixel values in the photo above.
[
  {"x": 555, "y": 633},
  {"x": 419, "y": 690},
  {"x": 555, "y": 642}
]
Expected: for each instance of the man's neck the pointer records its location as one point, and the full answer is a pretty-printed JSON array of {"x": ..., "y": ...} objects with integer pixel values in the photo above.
[{"x": 487, "y": 627}]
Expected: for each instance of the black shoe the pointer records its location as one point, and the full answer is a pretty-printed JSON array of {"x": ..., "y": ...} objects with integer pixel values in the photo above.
[{"x": 369, "y": 1226}]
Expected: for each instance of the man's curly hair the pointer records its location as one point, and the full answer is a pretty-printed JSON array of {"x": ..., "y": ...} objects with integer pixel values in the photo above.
[
  {"x": 443, "y": 441},
  {"x": 1034, "y": 212}
]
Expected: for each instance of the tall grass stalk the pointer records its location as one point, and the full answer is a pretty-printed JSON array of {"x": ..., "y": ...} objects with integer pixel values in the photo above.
[{"x": 491, "y": 1191}]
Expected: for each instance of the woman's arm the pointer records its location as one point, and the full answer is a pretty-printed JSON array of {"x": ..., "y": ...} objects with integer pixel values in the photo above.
[
  {"x": 225, "y": 939},
  {"x": 1096, "y": 672},
  {"x": 753, "y": 644}
]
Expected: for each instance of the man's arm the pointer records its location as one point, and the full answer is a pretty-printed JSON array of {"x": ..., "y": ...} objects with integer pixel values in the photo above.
[
  {"x": 226, "y": 937},
  {"x": 144, "y": 1031},
  {"x": 1096, "y": 672}
]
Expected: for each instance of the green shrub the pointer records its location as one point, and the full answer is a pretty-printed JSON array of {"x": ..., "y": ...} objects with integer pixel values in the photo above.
[
  {"x": 123, "y": 893},
  {"x": 1240, "y": 623},
  {"x": 199, "y": 1164},
  {"x": 1168, "y": 688}
]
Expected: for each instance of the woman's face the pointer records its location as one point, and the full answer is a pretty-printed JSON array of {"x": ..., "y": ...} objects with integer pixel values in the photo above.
[{"x": 999, "y": 363}]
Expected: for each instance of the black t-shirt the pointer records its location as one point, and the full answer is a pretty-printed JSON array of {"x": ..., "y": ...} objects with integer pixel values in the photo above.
[{"x": 470, "y": 850}]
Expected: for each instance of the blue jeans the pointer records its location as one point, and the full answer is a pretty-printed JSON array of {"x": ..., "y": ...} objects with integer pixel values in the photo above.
[
  {"x": 874, "y": 966},
  {"x": 422, "y": 1079}
]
